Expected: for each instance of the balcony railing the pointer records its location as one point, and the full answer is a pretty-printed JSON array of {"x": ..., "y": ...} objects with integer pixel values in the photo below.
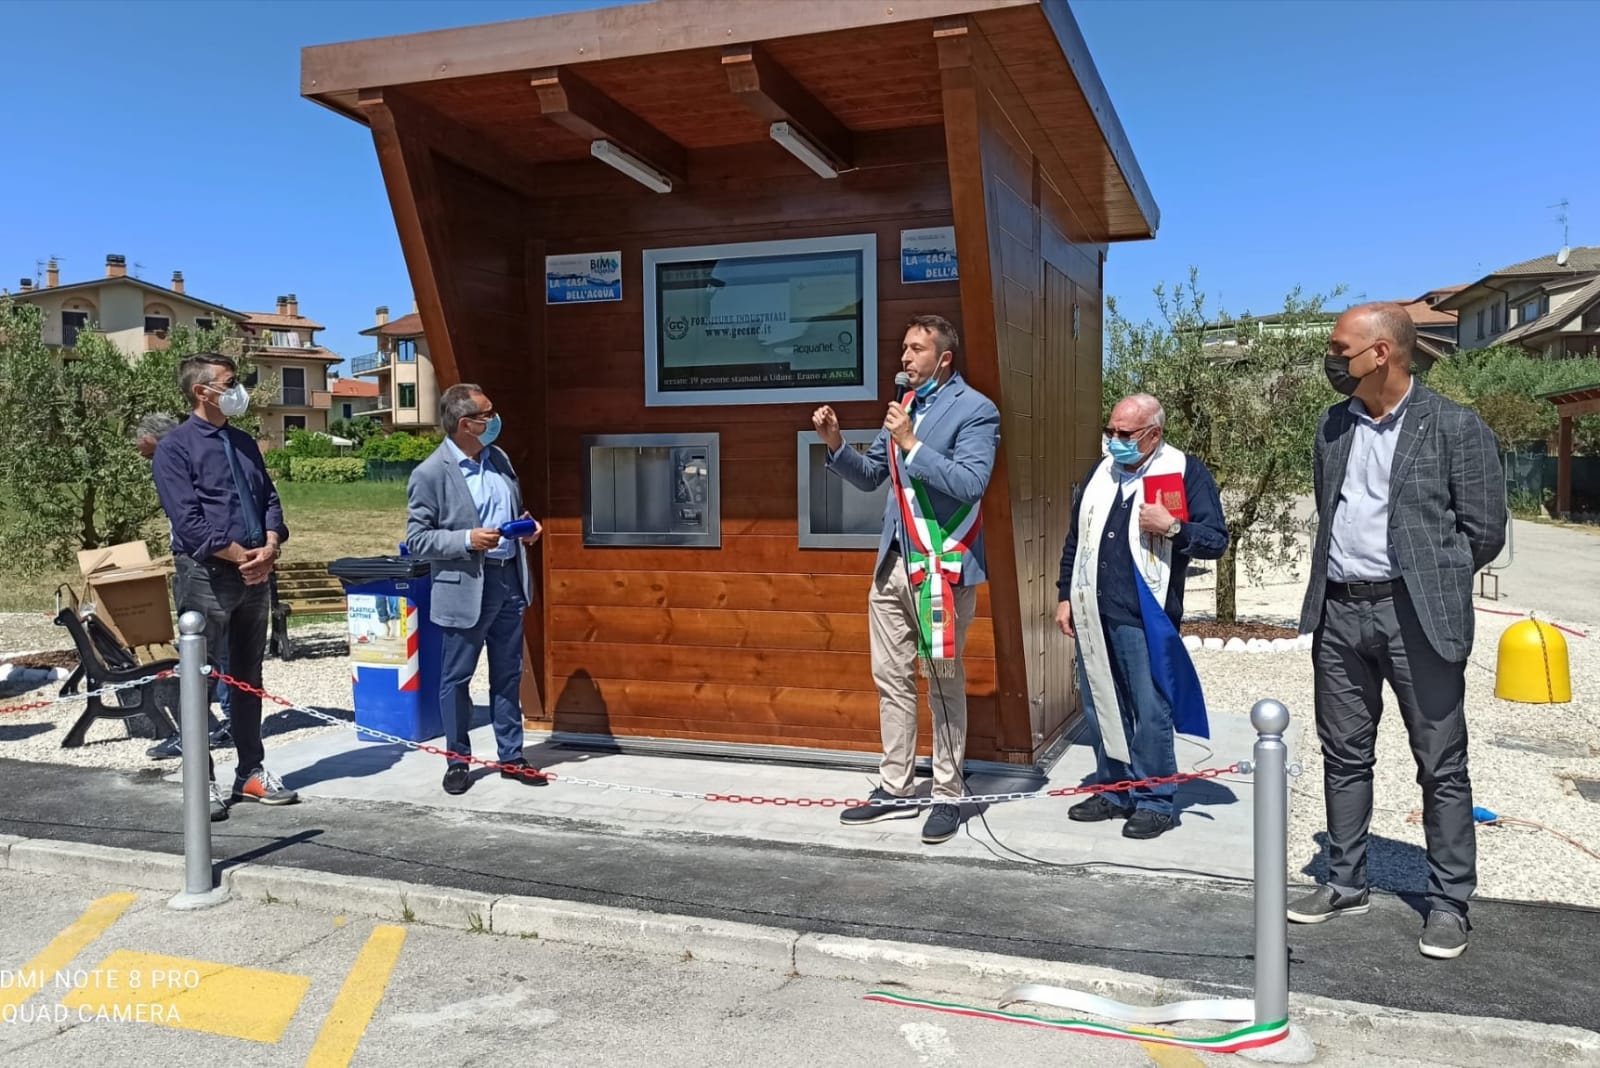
[
  {"x": 372, "y": 361},
  {"x": 299, "y": 397}
]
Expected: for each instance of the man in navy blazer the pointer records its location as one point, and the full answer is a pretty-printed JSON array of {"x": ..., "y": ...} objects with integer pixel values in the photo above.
[
  {"x": 937, "y": 448},
  {"x": 458, "y": 500}
]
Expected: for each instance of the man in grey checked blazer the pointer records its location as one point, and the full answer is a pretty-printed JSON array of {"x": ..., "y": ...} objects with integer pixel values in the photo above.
[{"x": 1410, "y": 504}]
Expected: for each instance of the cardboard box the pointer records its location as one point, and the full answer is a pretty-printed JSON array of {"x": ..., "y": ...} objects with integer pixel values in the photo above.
[{"x": 130, "y": 594}]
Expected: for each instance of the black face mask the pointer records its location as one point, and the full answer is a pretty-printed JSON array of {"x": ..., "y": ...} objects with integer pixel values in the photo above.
[{"x": 1337, "y": 368}]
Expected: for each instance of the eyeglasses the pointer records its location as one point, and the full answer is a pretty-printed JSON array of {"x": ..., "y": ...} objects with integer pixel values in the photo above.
[
  {"x": 1127, "y": 435},
  {"x": 481, "y": 417}
]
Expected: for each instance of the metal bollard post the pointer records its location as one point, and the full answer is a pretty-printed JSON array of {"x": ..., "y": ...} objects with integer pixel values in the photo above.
[
  {"x": 1270, "y": 719},
  {"x": 194, "y": 699}
]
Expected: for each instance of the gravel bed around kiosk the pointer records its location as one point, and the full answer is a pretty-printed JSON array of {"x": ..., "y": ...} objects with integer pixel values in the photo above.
[{"x": 1244, "y": 630}]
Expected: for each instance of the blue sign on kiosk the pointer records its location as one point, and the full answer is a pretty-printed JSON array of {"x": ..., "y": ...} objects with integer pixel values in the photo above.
[{"x": 394, "y": 647}]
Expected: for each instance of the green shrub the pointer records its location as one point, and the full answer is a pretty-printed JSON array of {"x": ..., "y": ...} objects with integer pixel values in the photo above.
[
  {"x": 307, "y": 443},
  {"x": 331, "y": 469},
  {"x": 277, "y": 461},
  {"x": 400, "y": 446}
]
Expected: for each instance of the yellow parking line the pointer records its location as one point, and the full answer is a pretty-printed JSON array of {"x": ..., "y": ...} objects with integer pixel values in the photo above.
[
  {"x": 1170, "y": 1056},
  {"x": 40, "y": 972},
  {"x": 1166, "y": 1056},
  {"x": 358, "y": 999}
]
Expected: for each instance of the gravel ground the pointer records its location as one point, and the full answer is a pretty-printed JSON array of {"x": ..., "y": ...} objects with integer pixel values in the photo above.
[
  {"x": 319, "y": 680},
  {"x": 1523, "y": 758}
]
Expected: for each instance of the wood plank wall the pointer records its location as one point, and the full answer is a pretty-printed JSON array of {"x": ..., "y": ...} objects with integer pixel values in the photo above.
[
  {"x": 758, "y": 641},
  {"x": 1046, "y": 351}
]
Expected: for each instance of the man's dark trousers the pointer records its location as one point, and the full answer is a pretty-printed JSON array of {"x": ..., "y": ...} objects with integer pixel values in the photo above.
[
  {"x": 499, "y": 628},
  {"x": 236, "y": 618},
  {"x": 1146, "y": 724},
  {"x": 1359, "y": 644}
]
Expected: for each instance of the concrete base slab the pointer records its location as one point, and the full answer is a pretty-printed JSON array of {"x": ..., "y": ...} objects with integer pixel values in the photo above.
[
  {"x": 1294, "y": 1048},
  {"x": 187, "y": 902},
  {"x": 1213, "y": 836}
]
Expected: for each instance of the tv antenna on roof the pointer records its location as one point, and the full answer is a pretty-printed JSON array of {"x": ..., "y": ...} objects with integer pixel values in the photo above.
[
  {"x": 1561, "y": 207},
  {"x": 137, "y": 267}
]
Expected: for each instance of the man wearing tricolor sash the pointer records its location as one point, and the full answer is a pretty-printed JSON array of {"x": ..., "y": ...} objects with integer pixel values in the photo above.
[
  {"x": 1144, "y": 512},
  {"x": 937, "y": 450}
]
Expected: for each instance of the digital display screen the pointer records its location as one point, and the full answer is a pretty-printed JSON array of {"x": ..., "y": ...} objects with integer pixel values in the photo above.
[{"x": 763, "y": 323}]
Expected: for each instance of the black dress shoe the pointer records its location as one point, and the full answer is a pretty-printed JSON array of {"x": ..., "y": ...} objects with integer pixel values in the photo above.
[
  {"x": 456, "y": 779},
  {"x": 1096, "y": 809},
  {"x": 169, "y": 747},
  {"x": 514, "y": 769},
  {"x": 1147, "y": 824}
]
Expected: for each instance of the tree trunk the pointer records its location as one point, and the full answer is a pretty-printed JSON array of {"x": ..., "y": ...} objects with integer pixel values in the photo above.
[
  {"x": 90, "y": 536},
  {"x": 1227, "y": 586}
]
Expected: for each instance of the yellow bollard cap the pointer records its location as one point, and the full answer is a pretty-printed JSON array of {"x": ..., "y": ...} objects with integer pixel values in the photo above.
[{"x": 1532, "y": 665}]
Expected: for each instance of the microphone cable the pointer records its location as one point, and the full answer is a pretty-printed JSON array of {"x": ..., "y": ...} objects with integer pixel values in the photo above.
[{"x": 941, "y": 724}]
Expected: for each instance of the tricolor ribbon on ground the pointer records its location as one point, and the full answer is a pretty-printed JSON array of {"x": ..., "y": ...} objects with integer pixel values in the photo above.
[{"x": 1253, "y": 1037}]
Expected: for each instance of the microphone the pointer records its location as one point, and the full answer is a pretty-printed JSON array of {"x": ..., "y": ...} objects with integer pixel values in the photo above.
[{"x": 902, "y": 382}]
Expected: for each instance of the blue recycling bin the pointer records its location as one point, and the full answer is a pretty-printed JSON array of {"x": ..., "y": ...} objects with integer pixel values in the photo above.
[{"x": 394, "y": 646}]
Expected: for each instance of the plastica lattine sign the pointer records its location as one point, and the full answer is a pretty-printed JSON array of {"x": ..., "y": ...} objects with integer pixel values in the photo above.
[
  {"x": 928, "y": 255},
  {"x": 583, "y": 278}
]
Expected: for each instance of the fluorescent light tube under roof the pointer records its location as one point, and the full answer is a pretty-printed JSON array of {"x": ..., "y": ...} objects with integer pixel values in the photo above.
[
  {"x": 631, "y": 165},
  {"x": 801, "y": 148}
]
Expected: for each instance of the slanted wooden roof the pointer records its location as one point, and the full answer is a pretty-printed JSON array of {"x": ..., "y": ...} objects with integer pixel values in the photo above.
[
  {"x": 1584, "y": 400},
  {"x": 668, "y": 78}
]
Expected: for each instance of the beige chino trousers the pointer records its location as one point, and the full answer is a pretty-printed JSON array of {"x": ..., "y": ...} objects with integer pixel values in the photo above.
[{"x": 892, "y": 625}]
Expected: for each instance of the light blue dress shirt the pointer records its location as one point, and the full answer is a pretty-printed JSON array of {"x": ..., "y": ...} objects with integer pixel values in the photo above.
[
  {"x": 1359, "y": 549},
  {"x": 491, "y": 493}
]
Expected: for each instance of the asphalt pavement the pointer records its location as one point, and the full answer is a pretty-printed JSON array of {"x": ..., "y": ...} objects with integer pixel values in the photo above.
[{"x": 1526, "y": 962}]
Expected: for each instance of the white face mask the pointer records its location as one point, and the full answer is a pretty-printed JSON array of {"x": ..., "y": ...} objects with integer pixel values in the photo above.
[{"x": 232, "y": 401}]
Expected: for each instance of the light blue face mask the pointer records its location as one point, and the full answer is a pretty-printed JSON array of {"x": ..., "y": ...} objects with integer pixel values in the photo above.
[
  {"x": 925, "y": 390},
  {"x": 491, "y": 430},
  {"x": 1125, "y": 453}
]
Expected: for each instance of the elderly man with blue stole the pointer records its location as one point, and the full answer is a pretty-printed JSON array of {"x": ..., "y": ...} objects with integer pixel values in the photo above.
[
  {"x": 937, "y": 449},
  {"x": 1144, "y": 512}
]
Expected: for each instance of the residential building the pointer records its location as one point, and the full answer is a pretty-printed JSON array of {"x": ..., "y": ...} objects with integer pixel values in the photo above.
[
  {"x": 283, "y": 346},
  {"x": 1549, "y": 306},
  {"x": 353, "y": 398},
  {"x": 408, "y": 394},
  {"x": 135, "y": 315},
  {"x": 1436, "y": 328}
]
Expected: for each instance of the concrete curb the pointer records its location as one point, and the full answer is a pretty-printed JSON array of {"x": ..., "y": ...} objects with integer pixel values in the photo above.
[{"x": 1472, "y": 1041}]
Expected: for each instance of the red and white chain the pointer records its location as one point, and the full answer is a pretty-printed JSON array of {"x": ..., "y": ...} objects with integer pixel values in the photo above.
[
  {"x": 1237, "y": 768},
  {"x": 104, "y": 691}
]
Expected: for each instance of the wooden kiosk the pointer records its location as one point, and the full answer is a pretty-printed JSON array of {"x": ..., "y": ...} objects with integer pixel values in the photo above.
[{"x": 660, "y": 235}]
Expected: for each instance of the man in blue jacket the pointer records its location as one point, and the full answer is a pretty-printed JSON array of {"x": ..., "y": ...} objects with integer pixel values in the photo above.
[
  {"x": 1121, "y": 587},
  {"x": 937, "y": 449}
]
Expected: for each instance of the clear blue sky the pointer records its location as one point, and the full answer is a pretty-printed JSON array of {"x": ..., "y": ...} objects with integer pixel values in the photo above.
[{"x": 1391, "y": 147}]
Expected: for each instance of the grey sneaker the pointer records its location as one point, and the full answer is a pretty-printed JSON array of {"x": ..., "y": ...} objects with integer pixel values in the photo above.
[
  {"x": 1444, "y": 936},
  {"x": 264, "y": 787},
  {"x": 888, "y": 810},
  {"x": 219, "y": 804},
  {"x": 1324, "y": 903},
  {"x": 943, "y": 823}
]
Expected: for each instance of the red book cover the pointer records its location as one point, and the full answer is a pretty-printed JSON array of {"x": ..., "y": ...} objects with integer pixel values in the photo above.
[{"x": 1168, "y": 490}]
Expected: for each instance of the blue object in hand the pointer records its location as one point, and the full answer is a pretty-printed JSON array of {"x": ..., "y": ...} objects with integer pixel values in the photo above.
[
  {"x": 1483, "y": 815},
  {"x": 519, "y": 528}
]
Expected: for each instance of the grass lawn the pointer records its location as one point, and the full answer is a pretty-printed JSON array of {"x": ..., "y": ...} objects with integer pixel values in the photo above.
[{"x": 326, "y": 521}]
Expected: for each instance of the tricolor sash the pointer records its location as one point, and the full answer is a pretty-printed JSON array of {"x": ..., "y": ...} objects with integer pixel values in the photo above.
[{"x": 934, "y": 554}]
